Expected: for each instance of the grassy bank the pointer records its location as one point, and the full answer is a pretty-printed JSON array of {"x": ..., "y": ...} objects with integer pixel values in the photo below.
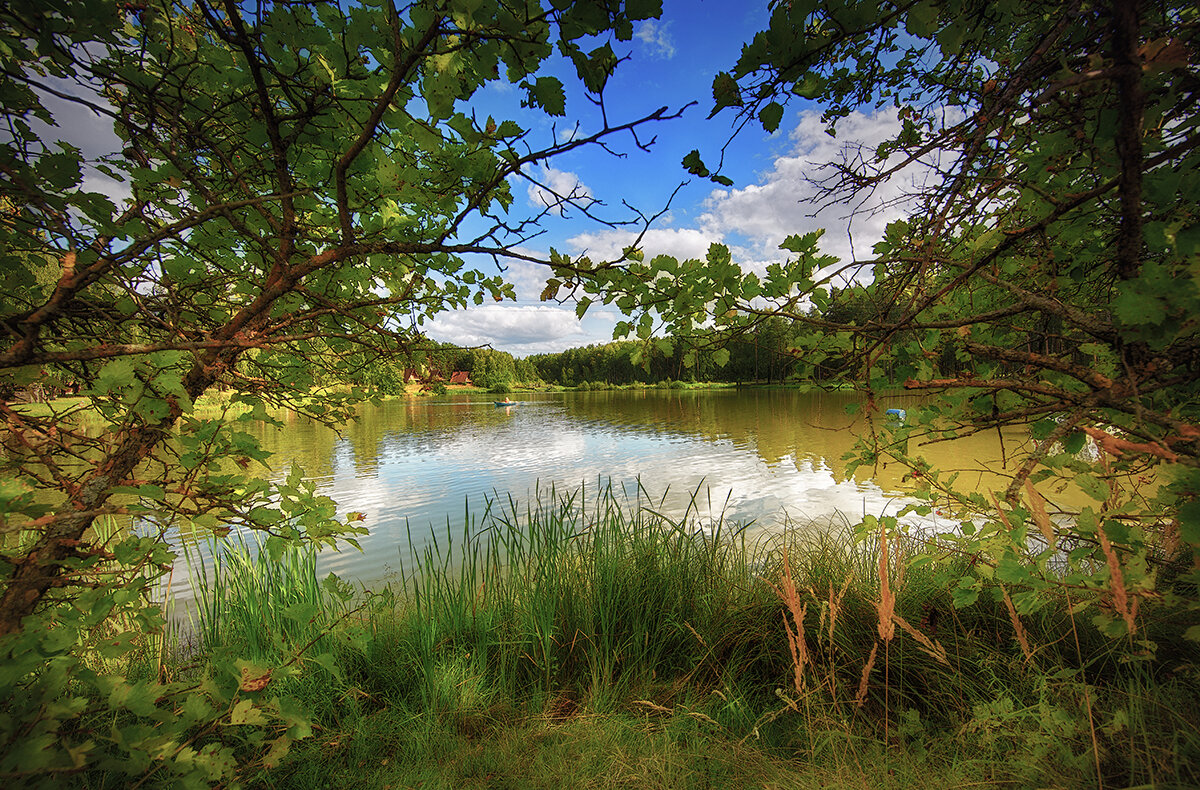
[{"x": 579, "y": 643}]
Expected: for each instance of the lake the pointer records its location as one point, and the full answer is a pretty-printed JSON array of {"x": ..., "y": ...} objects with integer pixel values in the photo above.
[{"x": 756, "y": 456}]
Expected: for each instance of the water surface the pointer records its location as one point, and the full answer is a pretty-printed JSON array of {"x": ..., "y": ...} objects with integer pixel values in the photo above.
[{"x": 758, "y": 457}]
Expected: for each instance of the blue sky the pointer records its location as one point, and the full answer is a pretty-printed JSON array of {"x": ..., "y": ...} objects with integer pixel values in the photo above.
[{"x": 672, "y": 61}]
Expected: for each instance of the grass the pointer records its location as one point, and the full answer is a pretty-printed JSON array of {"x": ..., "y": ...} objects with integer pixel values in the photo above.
[
  {"x": 584, "y": 641},
  {"x": 264, "y": 600}
]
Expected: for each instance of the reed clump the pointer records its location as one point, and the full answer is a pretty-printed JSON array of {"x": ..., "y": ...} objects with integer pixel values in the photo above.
[
  {"x": 598, "y": 617},
  {"x": 263, "y": 600}
]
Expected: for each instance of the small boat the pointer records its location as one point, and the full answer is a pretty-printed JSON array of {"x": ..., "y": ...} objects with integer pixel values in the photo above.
[
  {"x": 505, "y": 402},
  {"x": 897, "y": 414}
]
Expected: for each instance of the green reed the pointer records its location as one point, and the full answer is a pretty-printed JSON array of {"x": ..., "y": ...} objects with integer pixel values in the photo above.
[
  {"x": 265, "y": 601},
  {"x": 583, "y": 605}
]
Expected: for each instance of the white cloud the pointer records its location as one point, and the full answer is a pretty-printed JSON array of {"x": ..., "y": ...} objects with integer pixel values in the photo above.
[
  {"x": 557, "y": 189},
  {"x": 787, "y": 198},
  {"x": 680, "y": 243},
  {"x": 656, "y": 36},
  {"x": 753, "y": 220},
  {"x": 519, "y": 329},
  {"x": 567, "y": 134}
]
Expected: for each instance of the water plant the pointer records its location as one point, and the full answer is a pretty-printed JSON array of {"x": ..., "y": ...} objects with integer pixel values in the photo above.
[{"x": 263, "y": 597}]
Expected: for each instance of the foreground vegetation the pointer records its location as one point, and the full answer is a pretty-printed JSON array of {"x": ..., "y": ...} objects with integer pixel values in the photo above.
[{"x": 578, "y": 642}]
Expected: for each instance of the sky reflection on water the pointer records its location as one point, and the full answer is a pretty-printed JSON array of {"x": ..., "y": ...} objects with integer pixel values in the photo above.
[{"x": 416, "y": 467}]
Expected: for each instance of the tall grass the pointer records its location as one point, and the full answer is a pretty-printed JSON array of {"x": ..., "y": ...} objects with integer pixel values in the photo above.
[
  {"x": 584, "y": 606},
  {"x": 267, "y": 604},
  {"x": 583, "y": 598}
]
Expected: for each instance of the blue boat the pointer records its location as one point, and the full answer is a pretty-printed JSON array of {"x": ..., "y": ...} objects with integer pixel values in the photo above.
[
  {"x": 898, "y": 414},
  {"x": 505, "y": 402}
]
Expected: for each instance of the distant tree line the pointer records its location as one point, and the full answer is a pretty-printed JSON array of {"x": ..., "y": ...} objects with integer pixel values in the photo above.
[
  {"x": 487, "y": 368},
  {"x": 770, "y": 350}
]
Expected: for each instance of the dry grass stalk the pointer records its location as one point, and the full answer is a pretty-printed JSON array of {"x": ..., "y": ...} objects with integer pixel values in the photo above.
[
  {"x": 796, "y": 643},
  {"x": 1116, "y": 584},
  {"x": 1022, "y": 638},
  {"x": 1001, "y": 514},
  {"x": 835, "y": 603},
  {"x": 932, "y": 647},
  {"x": 861, "y": 695},
  {"x": 1040, "y": 517},
  {"x": 900, "y": 564},
  {"x": 704, "y": 717},
  {"x": 887, "y": 600},
  {"x": 1170, "y": 537},
  {"x": 654, "y": 706}
]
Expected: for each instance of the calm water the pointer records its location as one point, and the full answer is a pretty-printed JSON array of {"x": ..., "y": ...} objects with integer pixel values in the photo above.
[{"x": 761, "y": 456}]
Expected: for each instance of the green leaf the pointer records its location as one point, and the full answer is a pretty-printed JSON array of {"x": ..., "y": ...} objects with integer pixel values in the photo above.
[
  {"x": 770, "y": 116},
  {"x": 811, "y": 86},
  {"x": 509, "y": 129},
  {"x": 921, "y": 20},
  {"x": 1093, "y": 487},
  {"x": 694, "y": 165},
  {"x": 643, "y": 9},
  {"x": 1011, "y": 570},
  {"x": 278, "y": 750},
  {"x": 244, "y": 712},
  {"x": 726, "y": 93},
  {"x": 1189, "y": 523},
  {"x": 1135, "y": 308},
  {"x": 1074, "y": 442},
  {"x": 965, "y": 592},
  {"x": 800, "y": 244},
  {"x": 596, "y": 67},
  {"x": 60, "y": 170},
  {"x": 548, "y": 93}
]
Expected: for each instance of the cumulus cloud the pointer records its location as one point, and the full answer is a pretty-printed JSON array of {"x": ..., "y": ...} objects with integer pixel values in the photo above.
[
  {"x": 519, "y": 329},
  {"x": 557, "y": 189},
  {"x": 656, "y": 37},
  {"x": 754, "y": 219},
  {"x": 787, "y": 198},
  {"x": 681, "y": 243},
  {"x": 751, "y": 220}
]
